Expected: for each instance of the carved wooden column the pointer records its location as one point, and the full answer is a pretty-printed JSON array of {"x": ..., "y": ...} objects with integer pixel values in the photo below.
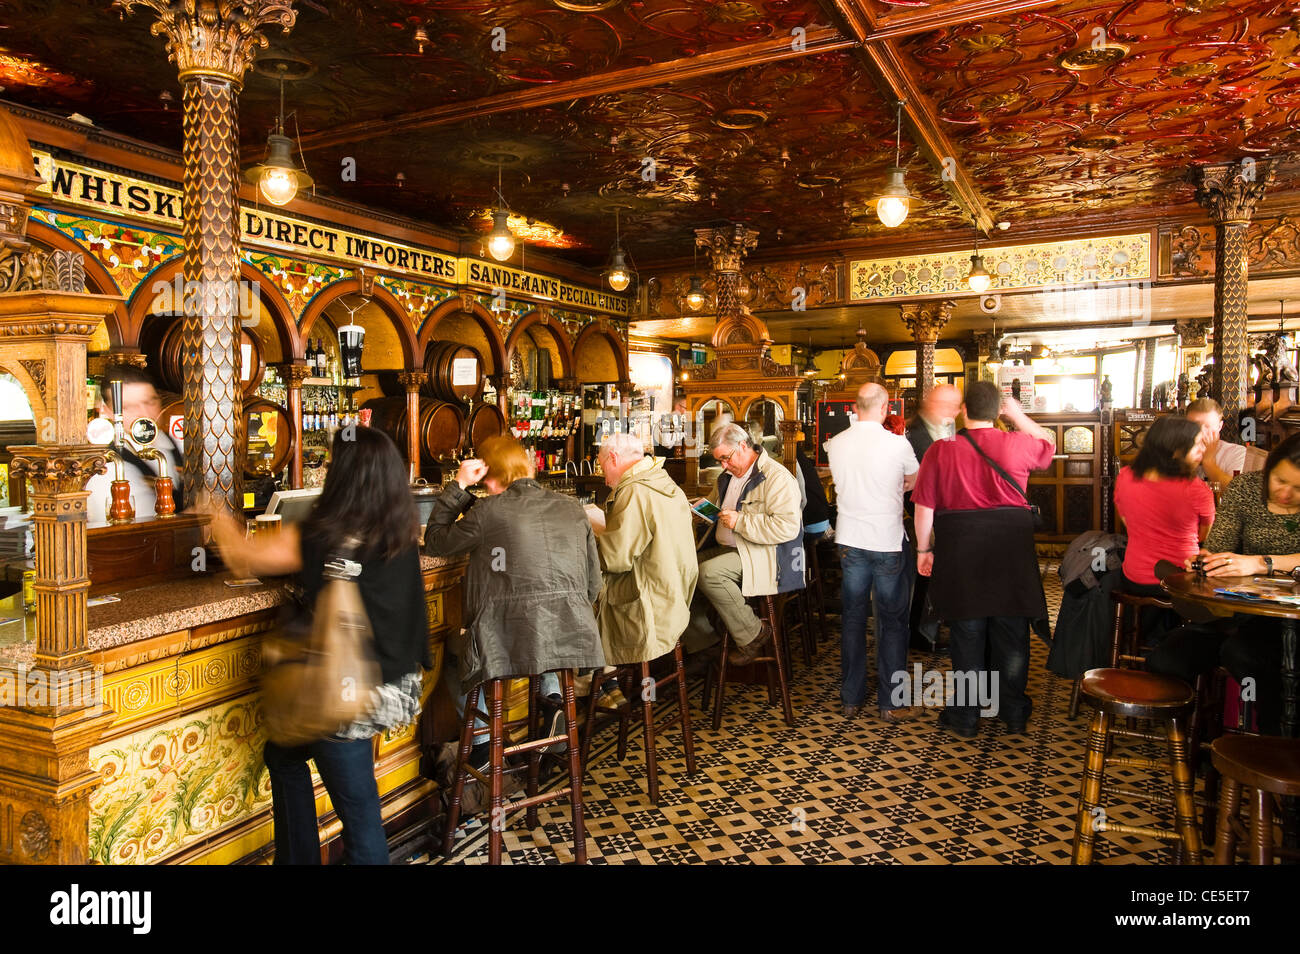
[
  {"x": 212, "y": 43},
  {"x": 1191, "y": 346},
  {"x": 413, "y": 381},
  {"x": 1146, "y": 399},
  {"x": 925, "y": 320},
  {"x": 294, "y": 373},
  {"x": 1230, "y": 192}
]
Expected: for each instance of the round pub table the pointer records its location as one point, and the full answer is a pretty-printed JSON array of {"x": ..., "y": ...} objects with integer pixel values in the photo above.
[{"x": 1200, "y": 590}]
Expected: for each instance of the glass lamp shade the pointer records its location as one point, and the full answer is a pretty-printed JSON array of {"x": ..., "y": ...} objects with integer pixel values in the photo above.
[
  {"x": 893, "y": 202},
  {"x": 979, "y": 279},
  {"x": 351, "y": 339},
  {"x": 278, "y": 179},
  {"x": 695, "y": 295},
  {"x": 501, "y": 241},
  {"x": 618, "y": 275}
]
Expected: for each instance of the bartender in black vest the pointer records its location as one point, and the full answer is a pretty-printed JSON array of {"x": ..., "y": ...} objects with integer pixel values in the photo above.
[{"x": 139, "y": 399}]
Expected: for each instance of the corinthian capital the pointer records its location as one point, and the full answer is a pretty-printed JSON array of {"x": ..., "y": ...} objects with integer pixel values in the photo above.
[
  {"x": 926, "y": 319},
  {"x": 727, "y": 245},
  {"x": 214, "y": 37},
  {"x": 1230, "y": 191}
]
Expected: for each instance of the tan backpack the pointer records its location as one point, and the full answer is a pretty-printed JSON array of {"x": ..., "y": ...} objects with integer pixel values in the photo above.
[{"x": 314, "y": 687}]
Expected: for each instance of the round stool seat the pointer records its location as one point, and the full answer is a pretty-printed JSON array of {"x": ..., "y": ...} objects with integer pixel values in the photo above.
[
  {"x": 1136, "y": 695},
  {"x": 1263, "y": 762}
]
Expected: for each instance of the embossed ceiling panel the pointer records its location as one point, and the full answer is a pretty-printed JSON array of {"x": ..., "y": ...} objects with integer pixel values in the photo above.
[{"x": 1105, "y": 105}]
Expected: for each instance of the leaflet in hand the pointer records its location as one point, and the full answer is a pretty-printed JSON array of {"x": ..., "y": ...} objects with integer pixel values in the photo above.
[{"x": 706, "y": 510}]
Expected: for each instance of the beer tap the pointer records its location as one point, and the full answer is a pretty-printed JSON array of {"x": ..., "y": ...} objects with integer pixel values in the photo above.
[{"x": 120, "y": 509}]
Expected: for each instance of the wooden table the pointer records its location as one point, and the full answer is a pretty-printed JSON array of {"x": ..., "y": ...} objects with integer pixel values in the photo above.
[{"x": 1200, "y": 590}]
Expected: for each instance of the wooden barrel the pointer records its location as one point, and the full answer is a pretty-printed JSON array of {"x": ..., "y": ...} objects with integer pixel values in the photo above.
[
  {"x": 441, "y": 425},
  {"x": 485, "y": 421},
  {"x": 167, "y": 363},
  {"x": 450, "y": 377},
  {"x": 258, "y": 410}
]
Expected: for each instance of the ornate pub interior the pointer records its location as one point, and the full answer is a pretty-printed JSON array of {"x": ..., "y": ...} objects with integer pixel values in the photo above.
[{"x": 560, "y": 220}]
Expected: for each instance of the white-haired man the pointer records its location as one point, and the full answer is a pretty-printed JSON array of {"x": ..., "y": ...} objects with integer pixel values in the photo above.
[
  {"x": 647, "y": 552},
  {"x": 755, "y": 547}
]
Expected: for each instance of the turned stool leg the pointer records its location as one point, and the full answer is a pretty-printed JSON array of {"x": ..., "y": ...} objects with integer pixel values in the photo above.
[
  {"x": 462, "y": 761},
  {"x": 1225, "y": 845},
  {"x": 722, "y": 682},
  {"x": 1184, "y": 805},
  {"x": 649, "y": 689},
  {"x": 1261, "y": 828},
  {"x": 534, "y": 757},
  {"x": 576, "y": 771},
  {"x": 778, "y": 639},
  {"x": 1085, "y": 833},
  {"x": 496, "y": 820},
  {"x": 684, "y": 705},
  {"x": 1074, "y": 696}
]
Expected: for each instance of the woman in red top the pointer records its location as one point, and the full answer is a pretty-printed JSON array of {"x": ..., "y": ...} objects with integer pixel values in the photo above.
[{"x": 1165, "y": 508}]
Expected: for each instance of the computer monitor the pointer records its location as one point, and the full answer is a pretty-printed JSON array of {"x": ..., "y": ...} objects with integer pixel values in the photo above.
[{"x": 293, "y": 506}]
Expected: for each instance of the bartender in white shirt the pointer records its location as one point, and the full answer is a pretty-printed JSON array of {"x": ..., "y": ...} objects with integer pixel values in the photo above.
[{"x": 139, "y": 399}]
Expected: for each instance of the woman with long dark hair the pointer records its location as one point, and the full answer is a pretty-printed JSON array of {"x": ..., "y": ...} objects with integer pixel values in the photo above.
[
  {"x": 1166, "y": 510},
  {"x": 365, "y": 514}
]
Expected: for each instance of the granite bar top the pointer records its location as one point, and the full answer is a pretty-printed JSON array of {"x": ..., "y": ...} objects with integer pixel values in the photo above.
[{"x": 153, "y": 611}]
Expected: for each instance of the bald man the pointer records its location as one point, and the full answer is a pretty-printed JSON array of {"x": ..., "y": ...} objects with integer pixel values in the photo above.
[
  {"x": 872, "y": 468},
  {"x": 936, "y": 420}
]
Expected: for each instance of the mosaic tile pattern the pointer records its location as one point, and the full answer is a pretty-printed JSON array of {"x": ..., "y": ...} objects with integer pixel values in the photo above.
[{"x": 831, "y": 791}]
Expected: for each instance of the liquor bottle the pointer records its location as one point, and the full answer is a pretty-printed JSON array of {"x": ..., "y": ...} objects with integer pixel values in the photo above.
[
  {"x": 334, "y": 417},
  {"x": 321, "y": 358},
  {"x": 312, "y": 370}
]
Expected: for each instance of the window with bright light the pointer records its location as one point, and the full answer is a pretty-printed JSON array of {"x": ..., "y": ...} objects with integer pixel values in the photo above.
[
  {"x": 1166, "y": 363},
  {"x": 1065, "y": 364},
  {"x": 14, "y": 405},
  {"x": 1120, "y": 366}
]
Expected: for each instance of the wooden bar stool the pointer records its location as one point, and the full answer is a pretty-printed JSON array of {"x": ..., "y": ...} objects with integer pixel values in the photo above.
[
  {"x": 649, "y": 686},
  {"x": 1269, "y": 766},
  {"x": 1125, "y": 642},
  {"x": 772, "y": 610},
  {"x": 1130, "y": 694},
  {"x": 497, "y": 732}
]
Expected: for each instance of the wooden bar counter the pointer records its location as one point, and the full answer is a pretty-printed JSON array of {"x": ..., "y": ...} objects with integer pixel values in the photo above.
[{"x": 180, "y": 765}]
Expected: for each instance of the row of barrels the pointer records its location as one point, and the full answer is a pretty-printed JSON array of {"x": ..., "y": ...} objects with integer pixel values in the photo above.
[{"x": 442, "y": 427}]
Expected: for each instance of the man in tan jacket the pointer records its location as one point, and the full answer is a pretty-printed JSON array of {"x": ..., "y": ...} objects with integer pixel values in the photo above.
[
  {"x": 647, "y": 552},
  {"x": 756, "y": 546}
]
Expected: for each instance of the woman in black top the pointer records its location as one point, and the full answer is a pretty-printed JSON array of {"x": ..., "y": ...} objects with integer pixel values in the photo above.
[{"x": 365, "y": 513}]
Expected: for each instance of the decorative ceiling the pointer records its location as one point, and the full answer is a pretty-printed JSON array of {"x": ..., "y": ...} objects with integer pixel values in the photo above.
[{"x": 775, "y": 112}]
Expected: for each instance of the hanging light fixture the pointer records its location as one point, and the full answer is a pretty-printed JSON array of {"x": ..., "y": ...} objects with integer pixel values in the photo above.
[
  {"x": 810, "y": 366},
  {"x": 979, "y": 279},
  {"x": 994, "y": 360},
  {"x": 618, "y": 274},
  {"x": 893, "y": 202},
  {"x": 277, "y": 179},
  {"x": 695, "y": 294},
  {"x": 501, "y": 241}
]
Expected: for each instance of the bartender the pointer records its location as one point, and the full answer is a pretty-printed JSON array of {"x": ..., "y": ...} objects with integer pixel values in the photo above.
[{"x": 139, "y": 399}]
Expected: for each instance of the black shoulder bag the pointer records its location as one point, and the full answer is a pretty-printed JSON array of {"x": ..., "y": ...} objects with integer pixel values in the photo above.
[{"x": 1034, "y": 510}]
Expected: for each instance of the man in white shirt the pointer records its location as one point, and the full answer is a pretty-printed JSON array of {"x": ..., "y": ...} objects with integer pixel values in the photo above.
[
  {"x": 872, "y": 468},
  {"x": 1223, "y": 459}
]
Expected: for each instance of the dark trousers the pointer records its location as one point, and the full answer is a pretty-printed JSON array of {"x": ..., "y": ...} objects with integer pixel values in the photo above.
[
  {"x": 348, "y": 770},
  {"x": 1248, "y": 648},
  {"x": 1156, "y": 622},
  {"x": 1004, "y": 642},
  {"x": 876, "y": 579}
]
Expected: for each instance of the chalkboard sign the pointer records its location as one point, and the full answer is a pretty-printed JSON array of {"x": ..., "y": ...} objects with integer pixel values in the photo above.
[{"x": 832, "y": 417}]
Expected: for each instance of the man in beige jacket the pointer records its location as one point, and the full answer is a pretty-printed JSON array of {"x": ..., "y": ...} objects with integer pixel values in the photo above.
[
  {"x": 756, "y": 546},
  {"x": 647, "y": 552}
]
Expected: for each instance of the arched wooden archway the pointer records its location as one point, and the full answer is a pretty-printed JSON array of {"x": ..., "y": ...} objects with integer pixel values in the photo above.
[
  {"x": 98, "y": 280},
  {"x": 480, "y": 315},
  {"x": 601, "y": 328},
  {"x": 279, "y": 309},
  {"x": 388, "y": 304},
  {"x": 557, "y": 332}
]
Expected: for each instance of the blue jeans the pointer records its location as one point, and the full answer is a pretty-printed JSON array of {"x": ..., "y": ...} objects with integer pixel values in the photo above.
[
  {"x": 348, "y": 770},
  {"x": 992, "y": 647},
  {"x": 881, "y": 578}
]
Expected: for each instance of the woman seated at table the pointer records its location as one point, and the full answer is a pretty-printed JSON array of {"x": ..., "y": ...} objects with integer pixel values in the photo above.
[
  {"x": 1165, "y": 509},
  {"x": 1256, "y": 531}
]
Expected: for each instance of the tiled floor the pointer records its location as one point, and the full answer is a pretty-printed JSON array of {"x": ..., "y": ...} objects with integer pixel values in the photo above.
[{"x": 829, "y": 790}]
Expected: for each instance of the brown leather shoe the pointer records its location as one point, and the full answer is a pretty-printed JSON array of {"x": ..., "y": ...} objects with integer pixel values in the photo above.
[
  {"x": 746, "y": 654},
  {"x": 897, "y": 716}
]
